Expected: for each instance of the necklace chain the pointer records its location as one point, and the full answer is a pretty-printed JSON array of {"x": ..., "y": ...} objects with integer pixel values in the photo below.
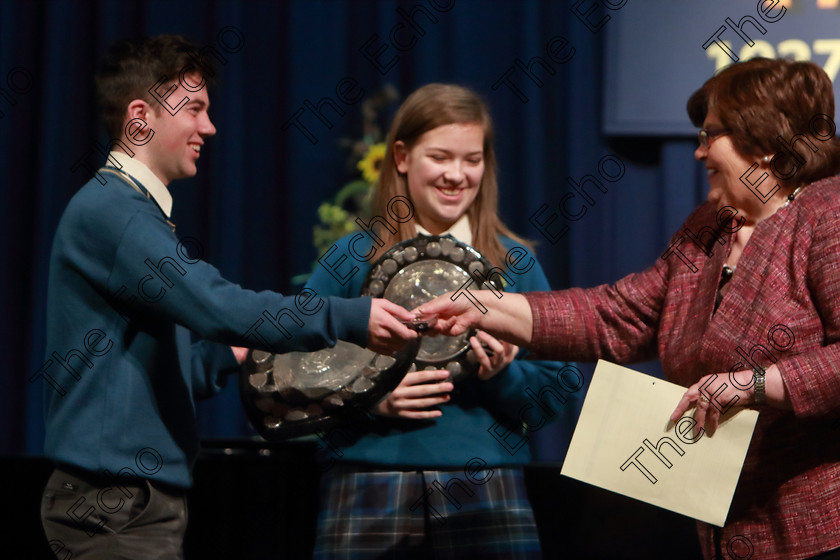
[
  {"x": 728, "y": 271},
  {"x": 792, "y": 195}
]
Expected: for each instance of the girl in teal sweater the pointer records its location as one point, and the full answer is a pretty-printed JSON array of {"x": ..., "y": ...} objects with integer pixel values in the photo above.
[{"x": 436, "y": 469}]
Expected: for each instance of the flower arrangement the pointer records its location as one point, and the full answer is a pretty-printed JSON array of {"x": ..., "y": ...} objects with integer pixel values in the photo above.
[{"x": 337, "y": 217}]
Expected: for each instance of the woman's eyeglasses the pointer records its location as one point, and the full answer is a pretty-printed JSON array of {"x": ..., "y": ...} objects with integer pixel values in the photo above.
[{"x": 706, "y": 135}]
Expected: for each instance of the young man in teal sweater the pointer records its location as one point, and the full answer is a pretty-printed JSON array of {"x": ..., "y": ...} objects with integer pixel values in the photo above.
[{"x": 121, "y": 374}]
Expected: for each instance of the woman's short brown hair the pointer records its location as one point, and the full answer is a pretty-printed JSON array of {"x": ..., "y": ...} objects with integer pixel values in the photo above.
[{"x": 763, "y": 99}]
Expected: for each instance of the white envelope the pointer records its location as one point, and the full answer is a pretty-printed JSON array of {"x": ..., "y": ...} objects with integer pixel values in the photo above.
[{"x": 625, "y": 443}]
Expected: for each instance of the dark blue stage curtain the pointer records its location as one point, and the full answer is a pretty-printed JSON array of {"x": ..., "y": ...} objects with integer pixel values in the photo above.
[{"x": 254, "y": 201}]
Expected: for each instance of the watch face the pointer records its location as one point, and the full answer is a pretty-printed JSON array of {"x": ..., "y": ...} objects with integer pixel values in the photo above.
[
  {"x": 422, "y": 268},
  {"x": 298, "y": 393}
]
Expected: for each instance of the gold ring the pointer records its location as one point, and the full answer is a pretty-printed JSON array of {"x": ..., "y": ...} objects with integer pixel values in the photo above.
[{"x": 704, "y": 399}]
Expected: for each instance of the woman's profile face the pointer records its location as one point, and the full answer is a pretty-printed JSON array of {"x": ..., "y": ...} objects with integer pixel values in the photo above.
[
  {"x": 725, "y": 164},
  {"x": 444, "y": 170}
]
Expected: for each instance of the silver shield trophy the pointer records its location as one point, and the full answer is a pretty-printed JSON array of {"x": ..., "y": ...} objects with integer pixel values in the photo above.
[
  {"x": 422, "y": 268},
  {"x": 298, "y": 393}
]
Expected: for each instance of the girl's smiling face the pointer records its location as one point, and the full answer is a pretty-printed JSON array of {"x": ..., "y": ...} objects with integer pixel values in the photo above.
[{"x": 444, "y": 170}]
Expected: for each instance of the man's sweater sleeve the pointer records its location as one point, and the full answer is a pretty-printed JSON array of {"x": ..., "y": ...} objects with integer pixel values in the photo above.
[
  {"x": 160, "y": 278},
  {"x": 211, "y": 364}
]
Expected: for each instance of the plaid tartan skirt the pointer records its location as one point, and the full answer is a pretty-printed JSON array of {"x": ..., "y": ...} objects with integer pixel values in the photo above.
[{"x": 425, "y": 515}]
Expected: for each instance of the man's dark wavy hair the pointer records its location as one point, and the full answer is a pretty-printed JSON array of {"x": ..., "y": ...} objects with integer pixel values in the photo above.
[{"x": 131, "y": 67}]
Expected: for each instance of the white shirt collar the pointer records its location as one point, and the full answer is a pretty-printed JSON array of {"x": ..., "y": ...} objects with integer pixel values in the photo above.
[
  {"x": 145, "y": 177},
  {"x": 460, "y": 230}
]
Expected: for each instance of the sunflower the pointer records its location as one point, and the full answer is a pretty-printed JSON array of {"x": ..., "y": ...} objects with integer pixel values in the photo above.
[{"x": 372, "y": 162}]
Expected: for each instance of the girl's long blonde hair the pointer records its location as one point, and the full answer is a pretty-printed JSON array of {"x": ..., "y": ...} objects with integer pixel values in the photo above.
[{"x": 429, "y": 107}]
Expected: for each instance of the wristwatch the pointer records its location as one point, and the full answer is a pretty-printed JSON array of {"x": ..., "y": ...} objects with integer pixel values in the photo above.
[{"x": 759, "y": 394}]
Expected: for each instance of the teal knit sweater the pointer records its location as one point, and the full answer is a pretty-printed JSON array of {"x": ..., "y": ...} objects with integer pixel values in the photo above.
[{"x": 121, "y": 374}]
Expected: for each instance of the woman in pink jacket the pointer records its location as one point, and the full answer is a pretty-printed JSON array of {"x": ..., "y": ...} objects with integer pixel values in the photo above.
[{"x": 743, "y": 304}]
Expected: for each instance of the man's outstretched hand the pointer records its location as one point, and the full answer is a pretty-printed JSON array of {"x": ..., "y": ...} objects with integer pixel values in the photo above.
[
  {"x": 386, "y": 331},
  {"x": 240, "y": 353}
]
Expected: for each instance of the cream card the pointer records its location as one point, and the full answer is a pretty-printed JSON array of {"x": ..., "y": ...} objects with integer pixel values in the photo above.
[{"x": 625, "y": 443}]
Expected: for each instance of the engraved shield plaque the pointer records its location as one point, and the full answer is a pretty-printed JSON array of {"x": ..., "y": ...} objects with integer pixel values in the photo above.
[
  {"x": 299, "y": 393},
  {"x": 422, "y": 268}
]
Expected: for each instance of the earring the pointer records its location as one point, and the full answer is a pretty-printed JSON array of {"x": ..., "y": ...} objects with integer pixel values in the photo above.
[{"x": 766, "y": 159}]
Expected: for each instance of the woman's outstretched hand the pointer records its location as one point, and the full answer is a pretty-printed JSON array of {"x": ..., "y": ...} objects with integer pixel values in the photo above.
[
  {"x": 449, "y": 318},
  {"x": 504, "y": 315}
]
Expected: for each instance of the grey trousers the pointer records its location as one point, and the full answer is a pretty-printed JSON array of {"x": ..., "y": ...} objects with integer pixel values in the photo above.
[{"x": 88, "y": 516}]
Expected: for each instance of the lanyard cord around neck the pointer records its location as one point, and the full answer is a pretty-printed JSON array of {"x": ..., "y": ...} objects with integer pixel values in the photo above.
[{"x": 137, "y": 186}]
